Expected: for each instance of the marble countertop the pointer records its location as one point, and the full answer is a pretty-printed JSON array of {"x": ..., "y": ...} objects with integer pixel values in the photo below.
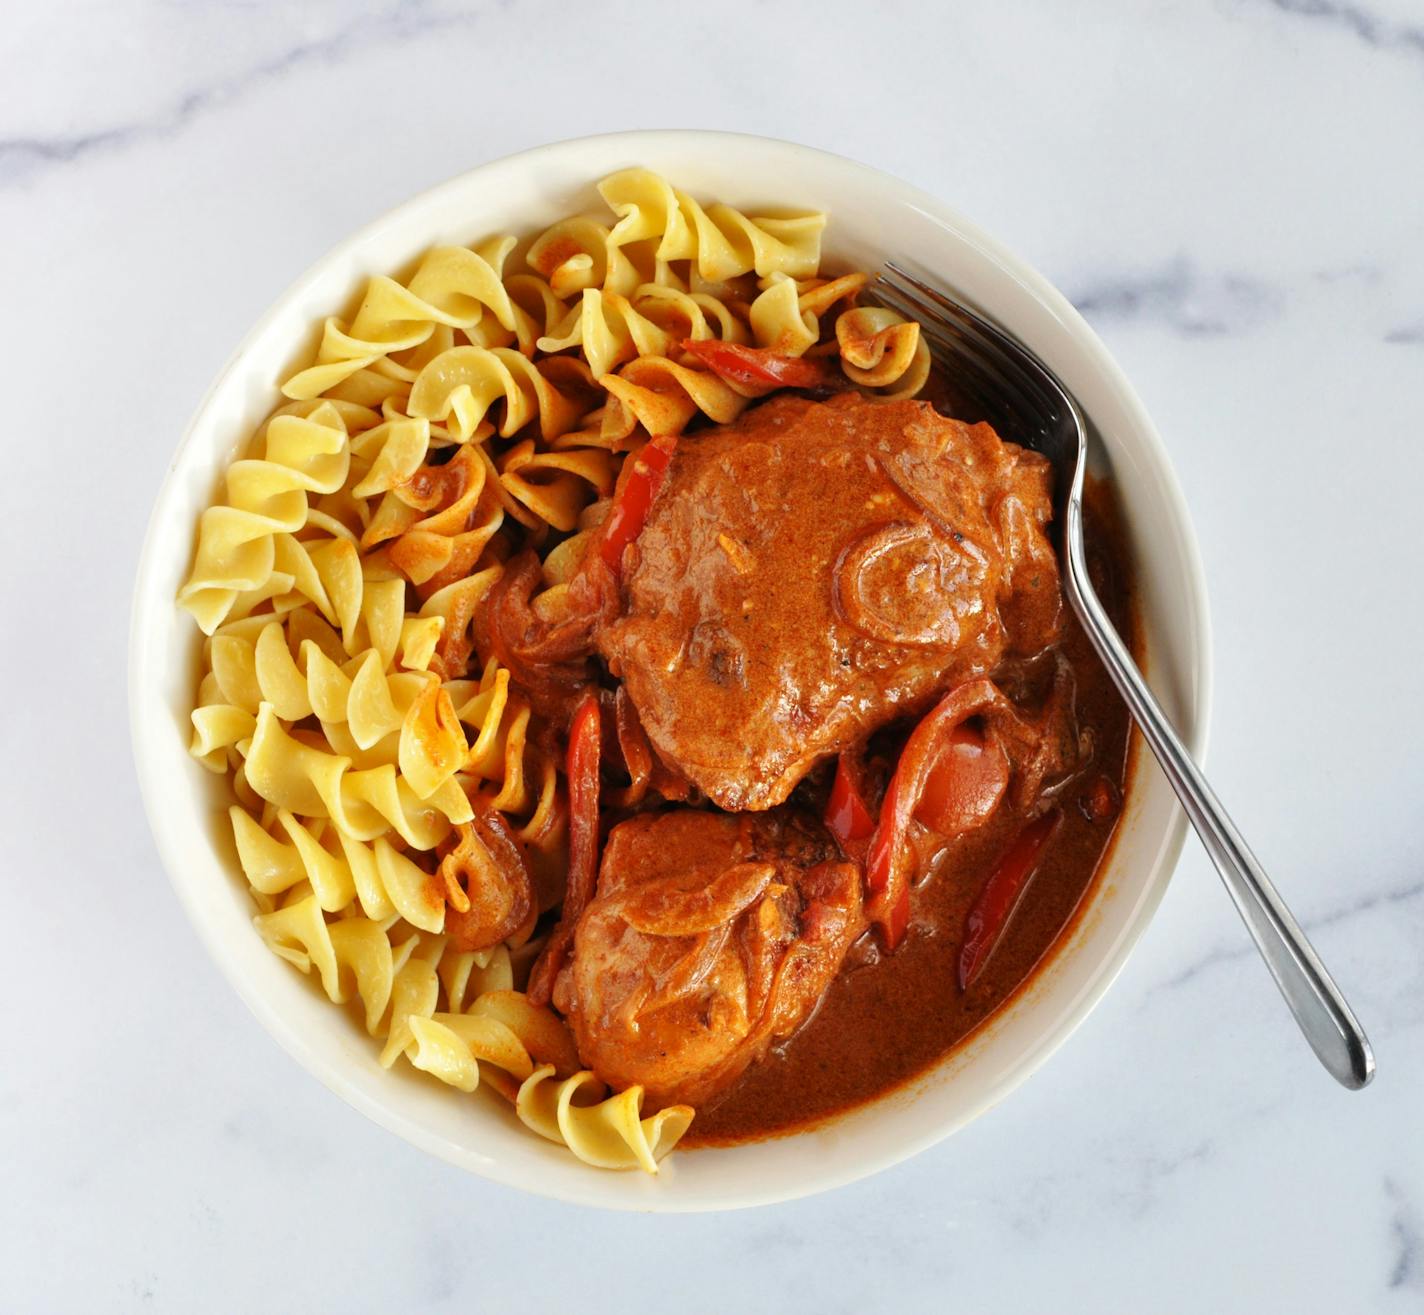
[{"x": 1230, "y": 191}]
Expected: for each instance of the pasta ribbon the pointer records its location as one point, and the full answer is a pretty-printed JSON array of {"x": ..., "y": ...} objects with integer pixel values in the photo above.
[
  {"x": 400, "y": 987},
  {"x": 607, "y": 330},
  {"x": 432, "y": 743},
  {"x": 339, "y": 869},
  {"x": 536, "y": 311},
  {"x": 552, "y": 604},
  {"x": 366, "y": 965},
  {"x": 610, "y": 329},
  {"x": 499, "y": 1038},
  {"x": 266, "y": 497},
  {"x": 453, "y": 286},
  {"x": 662, "y": 396},
  {"x": 370, "y": 388},
  {"x": 683, "y": 314},
  {"x": 606, "y": 1131},
  {"x": 391, "y": 453},
  {"x": 818, "y": 295},
  {"x": 364, "y": 804},
  {"x": 352, "y": 954},
  {"x": 356, "y": 693},
  {"x": 556, "y": 486},
  {"x": 454, "y": 605},
  {"x": 500, "y": 720},
  {"x": 465, "y": 975},
  {"x": 882, "y": 350},
  {"x": 576, "y": 255},
  {"x": 355, "y": 417},
  {"x": 218, "y": 726},
  {"x": 723, "y": 242},
  {"x": 363, "y": 601},
  {"x": 453, "y": 1046},
  {"x": 437, "y": 522},
  {"x": 372, "y": 716},
  {"x": 778, "y": 321},
  {"x": 461, "y": 385},
  {"x": 540, "y": 1031}
]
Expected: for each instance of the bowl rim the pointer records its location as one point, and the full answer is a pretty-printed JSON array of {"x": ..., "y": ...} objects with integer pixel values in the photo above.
[{"x": 1196, "y": 647}]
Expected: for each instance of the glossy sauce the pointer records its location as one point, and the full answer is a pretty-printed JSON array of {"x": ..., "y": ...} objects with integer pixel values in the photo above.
[{"x": 888, "y": 1018}]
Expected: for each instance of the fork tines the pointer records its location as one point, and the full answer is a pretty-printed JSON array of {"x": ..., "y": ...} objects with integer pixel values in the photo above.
[{"x": 983, "y": 362}]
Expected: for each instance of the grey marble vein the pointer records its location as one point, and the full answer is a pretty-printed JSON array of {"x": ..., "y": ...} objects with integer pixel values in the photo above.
[
  {"x": 1154, "y": 1170},
  {"x": 1356, "y": 272},
  {"x": 1181, "y": 297},
  {"x": 1373, "y": 29},
  {"x": 24, "y": 157},
  {"x": 1404, "y": 1231},
  {"x": 1406, "y": 335},
  {"x": 1244, "y": 950}
]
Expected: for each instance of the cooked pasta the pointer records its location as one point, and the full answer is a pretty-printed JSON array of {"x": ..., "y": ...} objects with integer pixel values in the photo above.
[
  {"x": 401, "y": 815},
  {"x": 606, "y": 1131},
  {"x": 881, "y": 350},
  {"x": 247, "y": 555}
]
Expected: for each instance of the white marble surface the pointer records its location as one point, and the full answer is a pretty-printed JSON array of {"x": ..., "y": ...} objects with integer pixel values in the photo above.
[{"x": 1231, "y": 192}]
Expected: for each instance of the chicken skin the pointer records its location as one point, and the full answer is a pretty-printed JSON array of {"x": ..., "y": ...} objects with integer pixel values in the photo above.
[{"x": 710, "y": 938}]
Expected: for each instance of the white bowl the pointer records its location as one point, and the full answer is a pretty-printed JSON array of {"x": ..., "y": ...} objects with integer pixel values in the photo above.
[{"x": 873, "y": 216}]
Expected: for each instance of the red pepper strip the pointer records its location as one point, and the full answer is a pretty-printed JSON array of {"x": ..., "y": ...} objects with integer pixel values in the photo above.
[
  {"x": 966, "y": 783},
  {"x": 887, "y": 883},
  {"x": 581, "y": 767},
  {"x": 887, "y": 868},
  {"x": 757, "y": 367},
  {"x": 847, "y": 816},
  {"x": 984, "y": 927},
  {"x": 635, "y": 496}
]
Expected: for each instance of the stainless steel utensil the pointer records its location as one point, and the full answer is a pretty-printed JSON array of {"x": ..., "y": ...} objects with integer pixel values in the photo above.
[{"x": 1026, "y": 401}]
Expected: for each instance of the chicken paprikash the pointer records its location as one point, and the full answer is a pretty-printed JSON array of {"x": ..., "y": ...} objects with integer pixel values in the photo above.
[
  {"x": 846, "y": 763},
  {"x": 644, "y": 692}
]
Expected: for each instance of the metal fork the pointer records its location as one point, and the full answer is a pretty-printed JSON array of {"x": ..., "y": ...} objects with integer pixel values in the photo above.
[{"x": 1023, "y": 397}]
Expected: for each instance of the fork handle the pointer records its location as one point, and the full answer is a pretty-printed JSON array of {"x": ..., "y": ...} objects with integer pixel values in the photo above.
[{"x": 1329, "y": 1025}]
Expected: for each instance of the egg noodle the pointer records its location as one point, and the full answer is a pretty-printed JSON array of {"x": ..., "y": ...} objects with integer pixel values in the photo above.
[{"x": 485, "y": 403}]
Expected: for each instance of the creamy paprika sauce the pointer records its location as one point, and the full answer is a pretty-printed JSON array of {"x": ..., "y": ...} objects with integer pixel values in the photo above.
[
  {"x": 887, "y": 1019},
  {"x": 841, "y": 763}
]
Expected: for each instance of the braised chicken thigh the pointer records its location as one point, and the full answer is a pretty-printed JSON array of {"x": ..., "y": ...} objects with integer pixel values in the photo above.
[
  {"x": 815, "y": 569},
  {"x": 710, "y": 938}
]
